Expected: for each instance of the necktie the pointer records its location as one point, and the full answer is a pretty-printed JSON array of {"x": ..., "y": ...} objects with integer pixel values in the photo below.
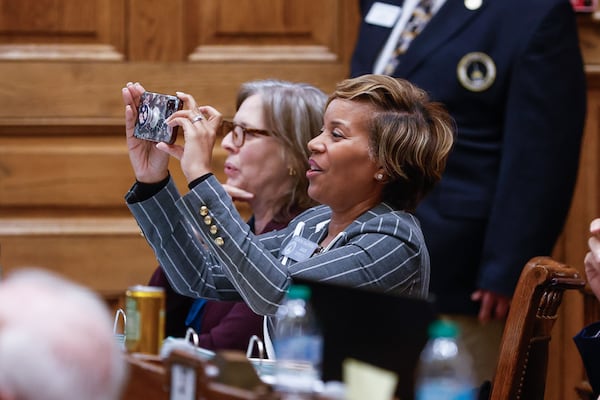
[{"x": 417, "y": 21}]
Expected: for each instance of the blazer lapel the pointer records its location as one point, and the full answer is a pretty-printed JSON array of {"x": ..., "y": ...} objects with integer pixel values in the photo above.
[{"x": 449, "y": 19}]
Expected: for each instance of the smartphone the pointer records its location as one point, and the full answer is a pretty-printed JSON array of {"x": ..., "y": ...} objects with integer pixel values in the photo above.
[{"x": 153, "y": 110}]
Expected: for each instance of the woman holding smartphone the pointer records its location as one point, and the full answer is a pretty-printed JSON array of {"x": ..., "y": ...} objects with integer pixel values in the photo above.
[
  {"x": 267, "y": 157},
  {"x": 382, "y": 147}
]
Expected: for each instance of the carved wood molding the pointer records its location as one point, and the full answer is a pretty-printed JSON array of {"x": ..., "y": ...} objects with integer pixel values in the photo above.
[
  {"x": 60, "y": 126},
  {"x": 60, "y": 52},
  {"x": 262, "y": 53},
  {"x": 68, "y": 226}
]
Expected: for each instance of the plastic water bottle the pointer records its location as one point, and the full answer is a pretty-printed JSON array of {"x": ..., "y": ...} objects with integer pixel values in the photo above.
[
  {"x": 445, "y": 368},
  {"x": 298, "y": 345}
]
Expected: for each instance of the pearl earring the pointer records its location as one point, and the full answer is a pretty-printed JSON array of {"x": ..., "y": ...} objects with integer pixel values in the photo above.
[{"x": 379, "y": 176}]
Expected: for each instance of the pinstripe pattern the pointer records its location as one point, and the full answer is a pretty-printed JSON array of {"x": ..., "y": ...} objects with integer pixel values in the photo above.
[{"x": 381, "y": 250}]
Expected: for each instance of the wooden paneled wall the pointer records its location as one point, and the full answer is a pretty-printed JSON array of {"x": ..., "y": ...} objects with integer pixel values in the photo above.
[{"x": 63, "y": 163}]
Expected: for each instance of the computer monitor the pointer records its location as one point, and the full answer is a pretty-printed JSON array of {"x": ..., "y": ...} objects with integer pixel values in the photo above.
[{"x": 380, "y": 329}]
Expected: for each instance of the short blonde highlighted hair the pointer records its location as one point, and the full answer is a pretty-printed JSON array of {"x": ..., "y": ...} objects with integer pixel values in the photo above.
[{"x": 410, "y": 136}]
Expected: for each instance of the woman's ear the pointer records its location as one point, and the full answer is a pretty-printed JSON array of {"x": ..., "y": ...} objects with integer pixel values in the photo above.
[{"x": 380, "y": 175}]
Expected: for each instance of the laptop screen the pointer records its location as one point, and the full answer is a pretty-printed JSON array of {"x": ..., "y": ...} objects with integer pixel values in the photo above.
[{"x": 380, "y": 329}]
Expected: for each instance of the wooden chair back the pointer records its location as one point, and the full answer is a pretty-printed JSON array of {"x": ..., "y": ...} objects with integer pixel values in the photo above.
[{"x": 523, "y": 360}]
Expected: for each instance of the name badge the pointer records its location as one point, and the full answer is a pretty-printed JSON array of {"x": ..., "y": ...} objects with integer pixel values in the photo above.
[
  {"x": 383, "y": 14},
  {"x": 183, "y": 382},
  {"x": 299, "y": 249}
]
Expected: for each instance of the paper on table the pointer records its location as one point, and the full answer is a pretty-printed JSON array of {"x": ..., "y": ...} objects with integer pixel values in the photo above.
[{"x": 365, "y": 381}]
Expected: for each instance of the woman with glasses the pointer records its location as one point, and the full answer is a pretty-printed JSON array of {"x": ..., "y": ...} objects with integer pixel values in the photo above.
[
  {"x": 267, "y": 157},
  {"x": 382, "y": 147}
]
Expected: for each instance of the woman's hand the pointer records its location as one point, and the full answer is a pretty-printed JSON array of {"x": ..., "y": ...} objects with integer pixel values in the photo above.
[
  {"x": 200, "y": 126},
  {"x": 238, "y": 194},
  {"x": 493, "y": 305},
  {"x": 150, "y": 165}
]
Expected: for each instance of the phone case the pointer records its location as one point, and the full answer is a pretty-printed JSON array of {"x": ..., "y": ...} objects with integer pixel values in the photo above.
[{"x": 153, "y": 110}]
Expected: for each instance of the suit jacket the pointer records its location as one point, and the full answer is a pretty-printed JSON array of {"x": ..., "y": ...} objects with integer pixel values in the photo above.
[
  {"x": 588, "y": 346},
  {"x": 511, "y": 74},
  {"x": 207, "y": 250},
  {"x": 223, "y": 324}
]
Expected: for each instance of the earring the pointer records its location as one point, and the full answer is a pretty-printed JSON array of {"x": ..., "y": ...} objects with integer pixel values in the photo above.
[
  {"x": 291, "y": 171},
  {"x": 379, "y": 176}
]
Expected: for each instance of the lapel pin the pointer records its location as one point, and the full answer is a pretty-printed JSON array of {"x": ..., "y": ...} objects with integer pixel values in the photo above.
[
  {"x": 476, "y": 71},
  {"x": 473, "y": 4}
]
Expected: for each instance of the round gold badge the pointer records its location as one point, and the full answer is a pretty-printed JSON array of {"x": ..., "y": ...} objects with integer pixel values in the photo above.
[
  {"x": 473, "y": 4},
  {"x": 476, "y": 71}
]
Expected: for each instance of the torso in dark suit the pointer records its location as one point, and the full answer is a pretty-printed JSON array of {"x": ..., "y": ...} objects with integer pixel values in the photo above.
[
  {"x": 588, "y": 344},
  {"x": 509, "y": 180}
]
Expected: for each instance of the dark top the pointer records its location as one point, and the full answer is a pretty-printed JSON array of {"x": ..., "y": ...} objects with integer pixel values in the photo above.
[
  {"x": 587, "y": 342},
  {"x": 518, "y": 97}
]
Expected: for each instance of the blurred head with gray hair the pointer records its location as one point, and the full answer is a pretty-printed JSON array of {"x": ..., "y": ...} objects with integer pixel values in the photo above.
[{"x": 56, "y": 341}]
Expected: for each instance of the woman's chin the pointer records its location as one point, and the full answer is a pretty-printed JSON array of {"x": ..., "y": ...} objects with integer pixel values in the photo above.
[{"x": 313, "y": 193}]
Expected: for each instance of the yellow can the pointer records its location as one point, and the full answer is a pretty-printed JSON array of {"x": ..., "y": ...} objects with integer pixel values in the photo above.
[{"x": 145, "y": 326}]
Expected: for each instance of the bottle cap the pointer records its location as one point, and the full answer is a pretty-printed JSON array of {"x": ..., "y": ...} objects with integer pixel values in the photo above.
[
  {"x": 299, "y": 292},
  {"x": 443, "y": 328}
]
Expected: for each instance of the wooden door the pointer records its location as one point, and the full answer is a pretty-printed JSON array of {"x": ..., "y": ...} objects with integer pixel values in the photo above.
[{"x": 63, "y": 162}]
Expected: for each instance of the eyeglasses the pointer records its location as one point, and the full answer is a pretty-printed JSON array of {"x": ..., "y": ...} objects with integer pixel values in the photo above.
[{"x": 238, "y": 132}]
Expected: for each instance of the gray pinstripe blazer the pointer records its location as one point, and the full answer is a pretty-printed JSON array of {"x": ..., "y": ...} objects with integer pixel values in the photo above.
[{"x": 207, "y": 250}]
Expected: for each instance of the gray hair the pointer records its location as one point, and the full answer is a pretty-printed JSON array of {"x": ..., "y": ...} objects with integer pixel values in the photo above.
[
  {"x": 56, "y": 340},
  {"x": 294, "y": 115}
]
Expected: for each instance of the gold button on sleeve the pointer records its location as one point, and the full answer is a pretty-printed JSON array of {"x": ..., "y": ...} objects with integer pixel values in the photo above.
[
  {"x": 213, "y": 229},
  {"x": 219, "y": 241},
  {"x": 204, "y": 211},
  {"x": 208, "y": 220}
]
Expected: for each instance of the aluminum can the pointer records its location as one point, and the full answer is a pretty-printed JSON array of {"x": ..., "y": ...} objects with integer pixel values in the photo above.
[{"x": 145, "y": 325}]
